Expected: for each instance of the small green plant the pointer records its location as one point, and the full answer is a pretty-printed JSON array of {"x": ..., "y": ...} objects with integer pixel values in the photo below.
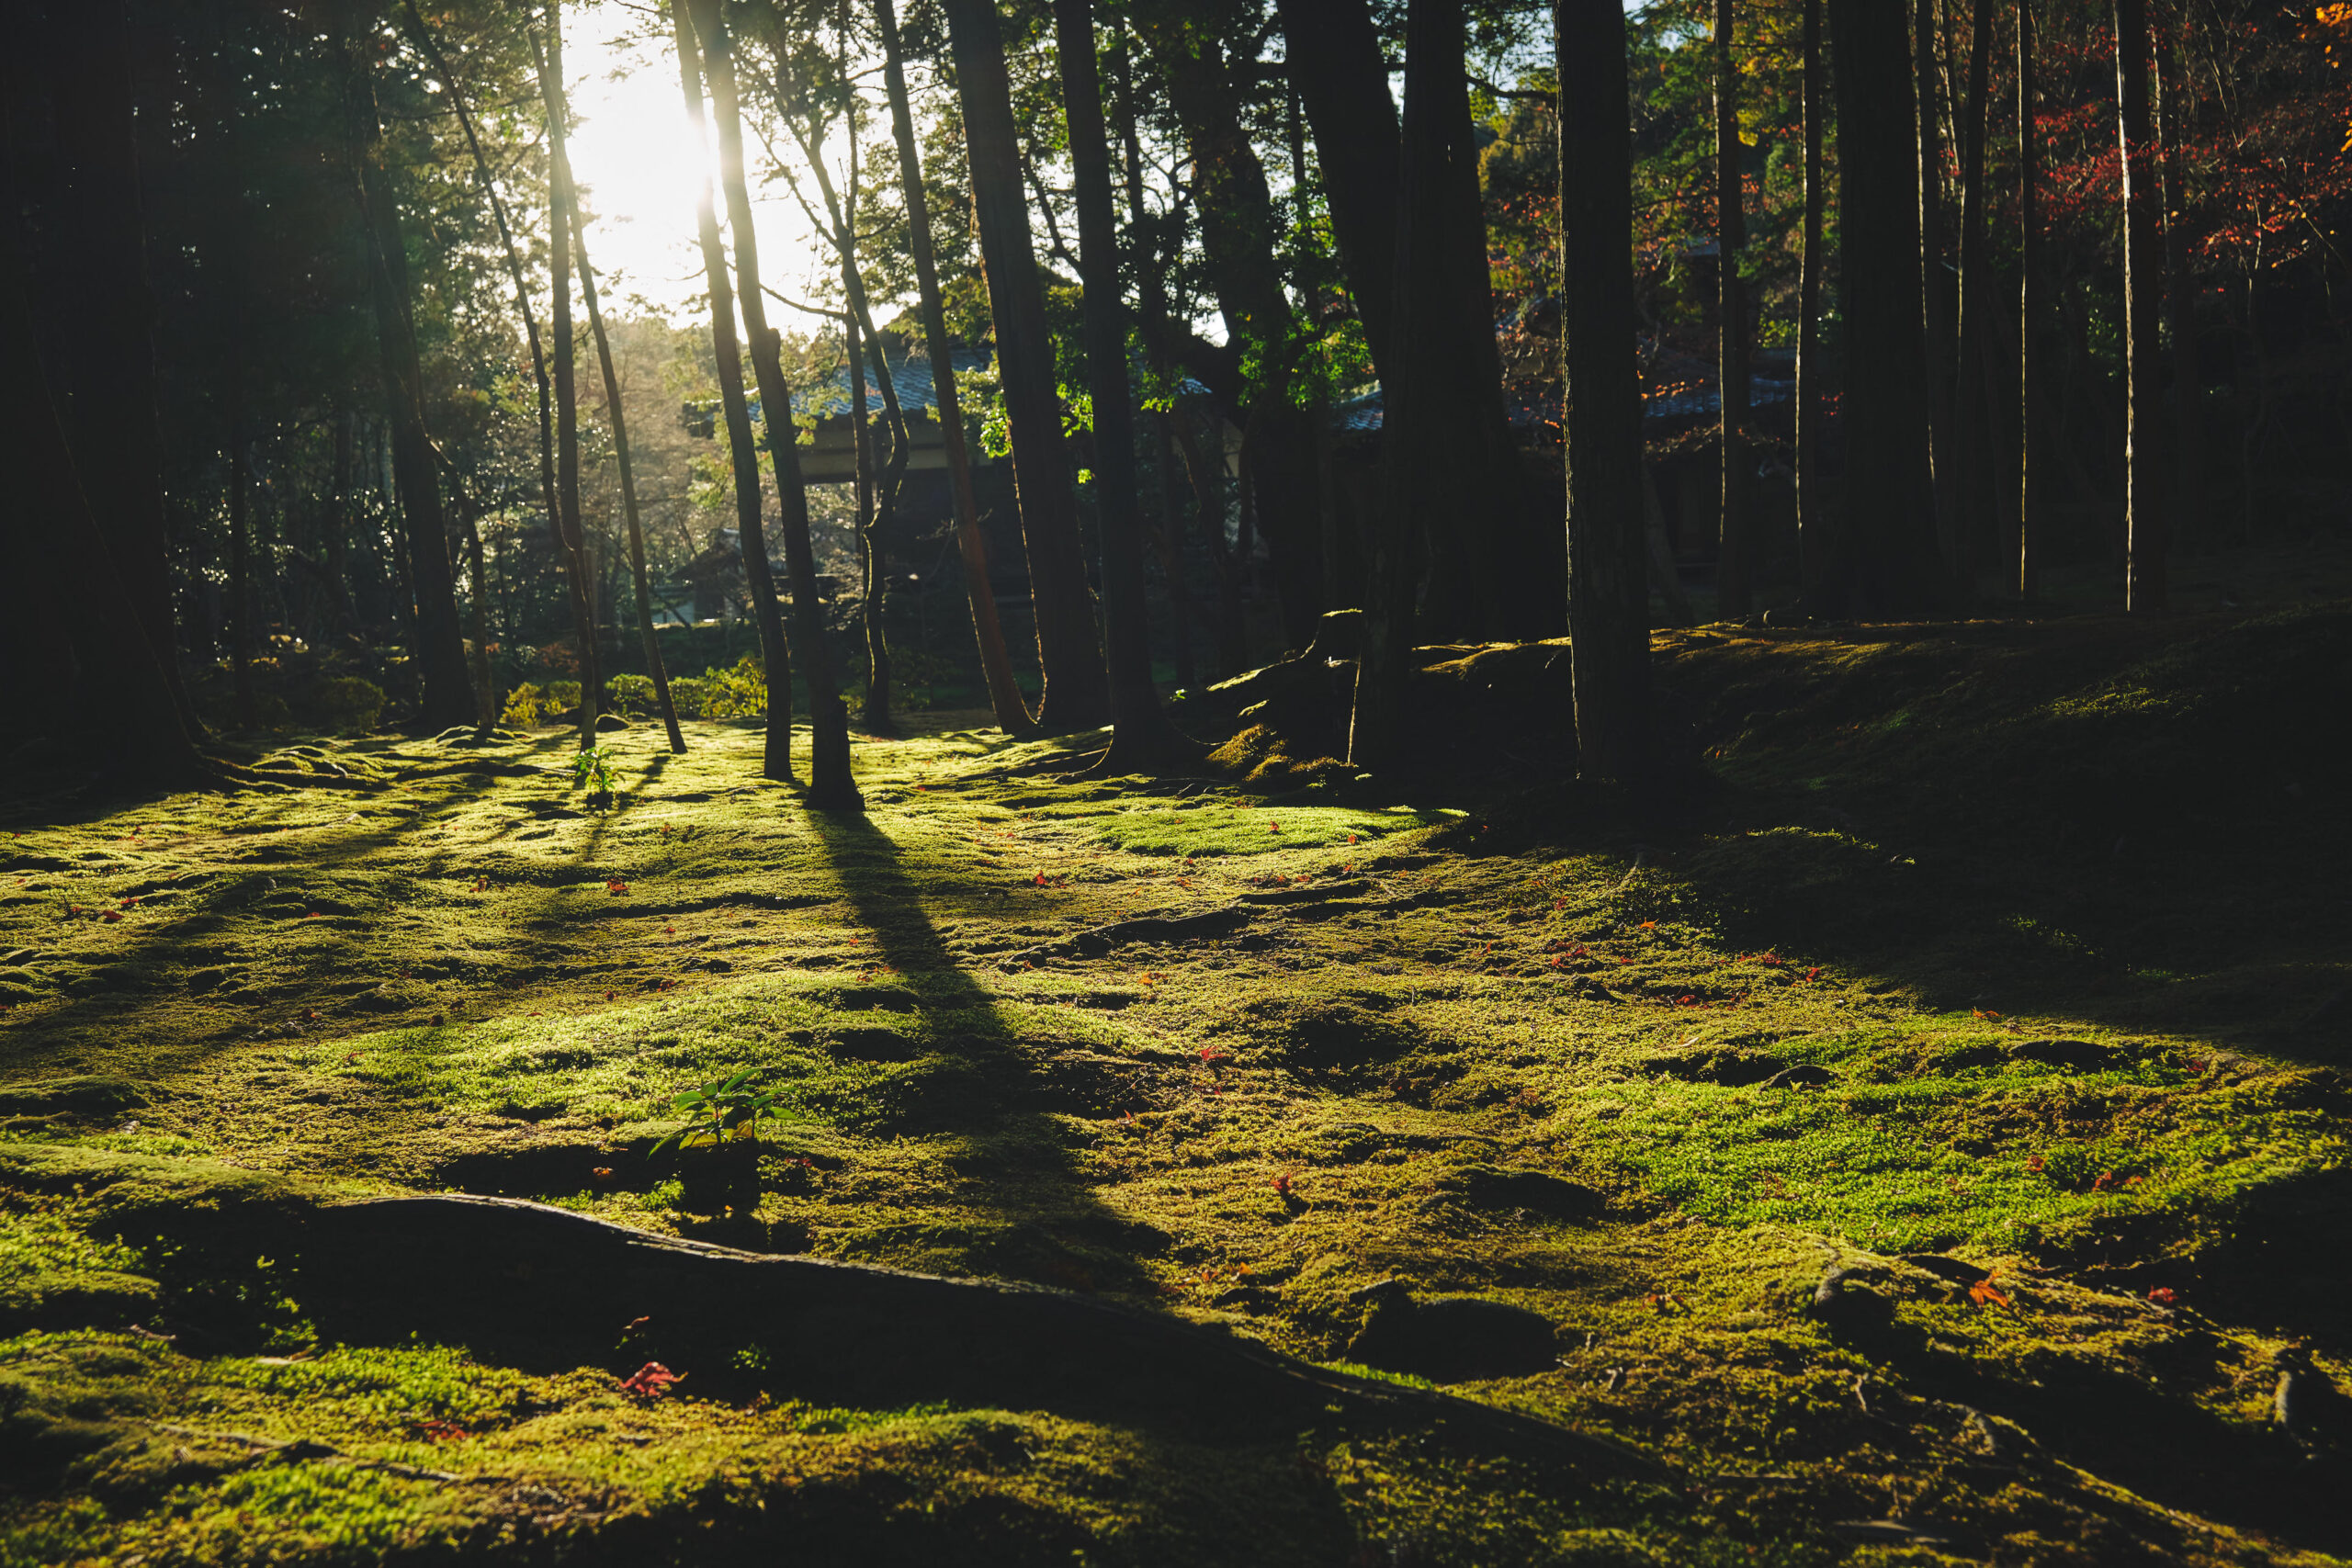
[
  {"x": 523, "y": 704},
  {"x": 631, "y": 694},
  {"x": 721, "y": 1109},
  {"x": 562, "y": 696},
  {"x": 593, "y": 768}
]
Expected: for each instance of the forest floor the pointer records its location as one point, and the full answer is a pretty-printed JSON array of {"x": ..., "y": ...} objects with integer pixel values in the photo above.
[{"x": 2002, "y": 966}]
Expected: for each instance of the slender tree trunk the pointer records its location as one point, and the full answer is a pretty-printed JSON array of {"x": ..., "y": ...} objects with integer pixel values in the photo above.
[
  {"x": 485, "y": 684},
  {"x": 1171, "y": 551},
  {"x": 768, "y": 617},
  {"x": 1077, "y": 690},
  {"x": 1142, "y": 738},
  {"x": 1972, "y": 428},
  {"x": 1608, "y": 596},
  {"x": 996, "y": 664},
  {"x": 563, "y": 210},
  {"x": 1935, "y": 302},
  {"x": 1342, "y": 84},
  {"x": 2144, "y": 261},
  {"x": 440, "y": 647},
  {"x": 1419, "y": 471},
  {"x": 831, "y": 784},
  {"x": 2181, "y": 302},
  {"x": 619, "y": 415},
  {"x": 1731, "y": 243},
  {"x": 2029, "y": 536},
  {"x": 1810, "y": 271},
  {"x": 1883, "y": 559}
]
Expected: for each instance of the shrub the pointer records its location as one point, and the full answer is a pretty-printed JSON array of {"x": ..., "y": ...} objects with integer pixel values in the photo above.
[
  {"x": 523, "y": 704},
  {"x": 347, "y": 703},
  {"x": 739, "y": 693},
  {"x": 632, "y": 693},
  {"x": 562, "y": 697},
  {"x": 686, "y": 696}
]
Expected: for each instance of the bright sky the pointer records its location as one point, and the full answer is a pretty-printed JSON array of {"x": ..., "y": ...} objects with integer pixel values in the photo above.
[{"x": 635, "y": 159}]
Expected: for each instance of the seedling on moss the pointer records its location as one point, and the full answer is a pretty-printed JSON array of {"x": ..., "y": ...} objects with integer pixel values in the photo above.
[
  {"x": 722, "y": 1108},
  {"x": 593, "y": 768}
]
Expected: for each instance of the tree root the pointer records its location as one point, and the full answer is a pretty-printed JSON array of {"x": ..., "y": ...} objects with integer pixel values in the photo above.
[{"x": 549, "y": 1285}]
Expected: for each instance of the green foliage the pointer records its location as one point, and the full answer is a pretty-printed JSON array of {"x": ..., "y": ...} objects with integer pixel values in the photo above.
[
  {"x": 631, "y": 694},
  {"x": 593, "y": 768},
  {"x": 722, "y": 1108},
  {"x": 346, "y": 703},
  {"x": 525, "y": 705},
  {"x": 563, "y": 696}
]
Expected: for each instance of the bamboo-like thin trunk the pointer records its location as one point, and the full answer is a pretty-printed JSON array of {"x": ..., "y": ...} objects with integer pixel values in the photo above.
[
  {"x": 1971, "y": 427},
  {"x": 832, "y": 786},
  {"x": 2028, "y": 539},
  {"x": 2144, "y": 258},
  {"x": 2181, "y": 306},
  {"x": 1809, "y": 272},
  {"x": 638, "y": 577},
  {"x": 1731, "y": 321},
  {"x": 1936, "y": 311},
  {"x": 996, "y": 664},
  {"x": 768, "y": 617}
]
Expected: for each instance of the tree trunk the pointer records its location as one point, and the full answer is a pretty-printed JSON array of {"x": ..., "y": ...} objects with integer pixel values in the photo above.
[
  {"x": 1936, "y": 303},
  {"x": 1342, "y": 84},
  {"x": 831, "y": 785},
  {"x": 1972, "y": 427},
  {"x": 619, "y": 417},
  {"x": 1142, "y": 740},
  {"x": 2029, "y": 534},
  {"x": 768, "y": 617},
  {"x": 105, "y": 382},
  {"x": 1077, "y": 686},
  {"x": 1608, "y": 598},
  {"x": 2181, "y": 307},
  {"x": 1883, "y": 555},
  {"x": 1730, "y": 244},
  {"x": 996, "y": 664},
  {"x": 423, "y": 35},
  {"x": 563, "y": 210},
  {"x": 2144, "y": 264},
  {"x": 1809, "y": 272},
  {"x": 449, "y": 696}
]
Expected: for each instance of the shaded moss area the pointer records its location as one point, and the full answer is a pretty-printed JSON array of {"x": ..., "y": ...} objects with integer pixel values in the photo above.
[{"x": 1876, "y": 990}]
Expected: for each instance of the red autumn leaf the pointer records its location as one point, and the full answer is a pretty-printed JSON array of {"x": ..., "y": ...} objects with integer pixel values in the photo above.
[
  {"x": 109, "y": 915},
  {"x": 441, "y": 1431},
  {"x": 616, "y": 887},
  {"x": 1041, "y": 879},
  {"x": 2163, "y": 1295},
  {"x": 1274, "y": 827},
  {"x": 1984, "y": 1294},
  {"x": 650, "y": 1381},
  {"x": 2037, "y": 1164},
  {"x": 1281, "y": 1184}
]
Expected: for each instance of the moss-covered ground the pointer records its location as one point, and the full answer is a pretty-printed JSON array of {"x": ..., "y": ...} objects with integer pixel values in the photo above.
[{"x": 2002, "y": 967}]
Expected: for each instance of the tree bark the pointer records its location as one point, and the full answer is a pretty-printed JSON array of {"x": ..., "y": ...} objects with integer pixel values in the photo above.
[
  {"x": 768, "y": 617},
  {"x": 2144, "y": 265},
  {"x": 1936, "y": 304},
  {"x": 831, "y": 785},
  {"x": 2029, "y": 540},
  {"x": 1730, "y": 244},
  {"x": 1342, "y": 82},
  {"x": 1971, "y": 424},
  {"x": 563, "y": 210},
  {"x": 1077, "y": 686},
  {"x": 449, "y": 698},
  {"x": 1142, "y": 738},
  {"x": 619, "y": 416},
  {"x": 996, "y": 664},
  {"x": 1810, "y": 269},
  {"x": 1884, "y": 552},
  {"x": 1608, "y": 597},
  {"x": 2180, "y": 304}
]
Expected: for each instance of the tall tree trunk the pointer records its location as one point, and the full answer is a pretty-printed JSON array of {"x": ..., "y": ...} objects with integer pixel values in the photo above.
[
  {"x": 1608, "y": 596},
  {"x": 423, "y": 35},
  {"x": 2180, "y": 304},
  {"x": 1935, "y": 302},
  {"x": 875, "y": 713},
  {"x": 1809, "y": 272},
  {"x": 449, "y": 698},
  {"x": 485, "y": 684},
  {"x": 1077, "y": 686},
  {"x": 831, "y": 785},
  {"x": 563, "y": 210},
  {"x": 2144, "y": 266},
  {"x": 996, "y": 664},
  {"x": 1171, "y": 550},
  {"x": 1971, "y": 427},
  {"x": 619, "y": 416},
  {"x": 767, "y": 615},
  {"x": 1342, "y": 82},
  {"x": 2027, "y": 543},
  {"x": 105, "y": 385},
  {"x": 1419, "y": 471},
  {"x": 1883, "y": 555},
  {"x": 1142, "y": 738},
  {"x": 1730, "y": 244}
]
